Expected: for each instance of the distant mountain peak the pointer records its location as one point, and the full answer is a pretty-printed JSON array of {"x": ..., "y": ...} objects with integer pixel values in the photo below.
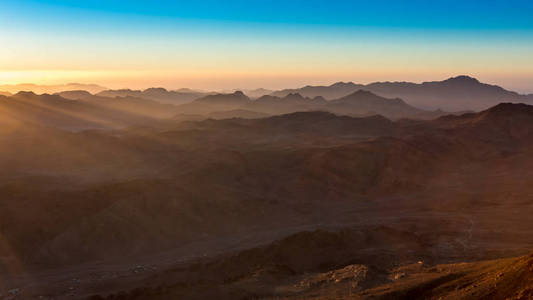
[
  {"x": 156, "y": 89},
  {"x": 186, "y": 90},
  {"x": 51, "y": 89},
  {"x": 465, "y": 79},
  {"x": 510, "y": 108},
  {"x": 294, "y": 96},
  {"x": 363, "y": 92},
  {"x": 343, "y": 84},
  {"x": 74, "y": 95},
  {"x": 236, "y": 97},
  {"x": 25, "y": 94}
]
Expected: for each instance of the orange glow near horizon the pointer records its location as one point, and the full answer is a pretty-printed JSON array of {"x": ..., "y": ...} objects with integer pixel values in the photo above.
[
  {"x": 226, "y": 80},
  {"x": 61, "y": 44}
]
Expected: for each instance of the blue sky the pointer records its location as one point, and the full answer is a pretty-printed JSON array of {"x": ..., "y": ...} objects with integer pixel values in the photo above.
[
  {"x": 265, "y": 43},
  {"x": 450, "y": 14}
]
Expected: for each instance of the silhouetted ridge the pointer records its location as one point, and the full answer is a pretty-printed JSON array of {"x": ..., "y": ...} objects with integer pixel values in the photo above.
[
  {"x": 25, "y": 94},
  {"x": 51, "y": 89},
  {"x": 369, "y": 98},
  {"x": 343, "y": 85},
  {"x": 159, "y": 90},
  {"x": 462, "y": 79},
  {"x": 458, "y": 93},
  {"x": 510, "y": 109},
  {"x": 158, "y": 94},
  {"x": 505, "y": 124},
  {"x": 502, "y": 110},
  {"x": 359, "y": 103},
  {"x": 74, "y": 95},
  {"x": 364, "y": 94},
  {"x": 237, "y": 97},
  {"x": 314, "y": 116},
  {"x": 294, "y": 96},
  {"x": 509, "y": 115}
]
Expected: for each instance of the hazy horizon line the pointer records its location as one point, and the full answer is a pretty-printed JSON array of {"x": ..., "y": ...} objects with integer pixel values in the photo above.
[{"x": 205, "y": 88}]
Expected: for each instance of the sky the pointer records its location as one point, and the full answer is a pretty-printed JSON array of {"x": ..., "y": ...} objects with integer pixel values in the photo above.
[{"x": 272, "y": 44}]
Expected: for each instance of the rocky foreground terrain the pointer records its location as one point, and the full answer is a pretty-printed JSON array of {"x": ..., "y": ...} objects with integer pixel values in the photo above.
[{"x": 284, "y": 271}]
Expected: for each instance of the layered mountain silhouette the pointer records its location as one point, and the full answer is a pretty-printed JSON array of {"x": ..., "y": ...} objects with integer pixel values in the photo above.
[
  {"x": 287, "y": 104},
  {"x": 334, "y": 91},
  {"x": 156, "y": 94},
  {"x": 256, "y": 93},
  {"x": 75, "y": 95},
  {"x": 364, "y": 102},
  {"x": 359, "y": 103},
  {"x": 217, "y": 102},
  {"x": 454, "y": 94},
  {"x": 51, "y": 89},
  {"x": 461, "y": 93},
  {"x": 78, "y": 109}
]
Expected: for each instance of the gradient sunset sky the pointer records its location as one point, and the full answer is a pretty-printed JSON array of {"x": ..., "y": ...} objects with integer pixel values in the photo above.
[{"x": 273, "y": 44}]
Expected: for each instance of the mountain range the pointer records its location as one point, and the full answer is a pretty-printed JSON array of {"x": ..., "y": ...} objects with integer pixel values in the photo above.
[
  {"x": 461, "y": 93},
  {"x": 157, "y": 94},
  {"x": 50, "y": 89},
  {"x": 454, "y": 94},
  {"x": 359, "y": 103}
]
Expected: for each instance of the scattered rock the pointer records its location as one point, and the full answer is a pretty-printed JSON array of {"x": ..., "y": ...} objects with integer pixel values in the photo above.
[{"x": 399, "y": 275}]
